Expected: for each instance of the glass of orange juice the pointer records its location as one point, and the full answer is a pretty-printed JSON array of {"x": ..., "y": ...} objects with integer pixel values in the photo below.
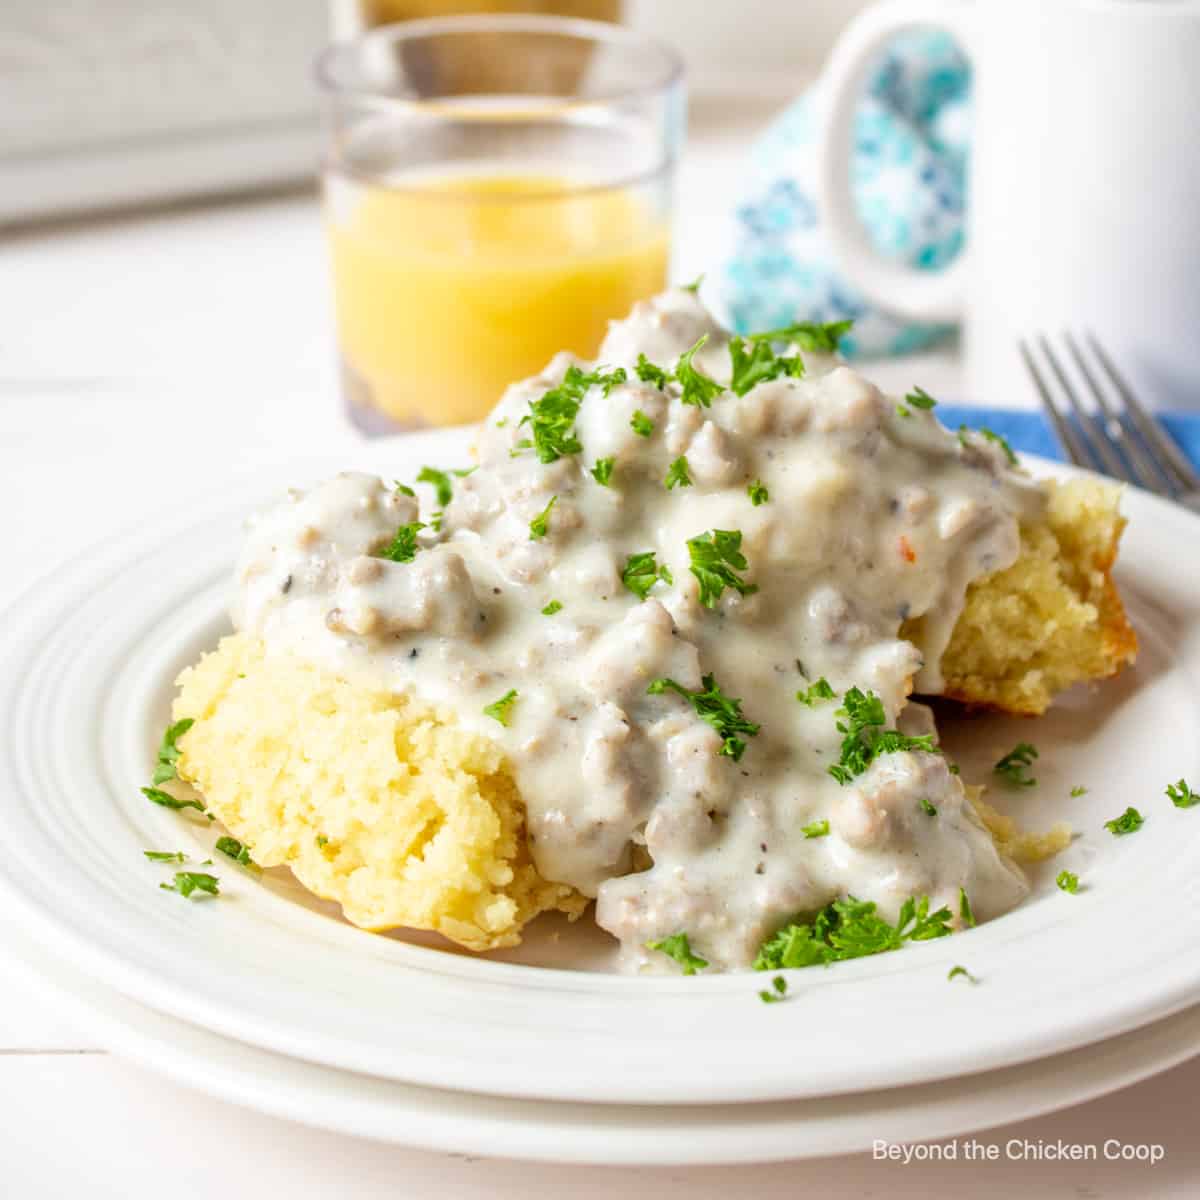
[{"x": 497, "y": 189}]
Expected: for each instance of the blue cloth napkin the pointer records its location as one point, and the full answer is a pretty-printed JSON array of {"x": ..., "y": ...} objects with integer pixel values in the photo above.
[
  {"x": 1030, "y": 431},
  {"x": 911, "y": 142}
]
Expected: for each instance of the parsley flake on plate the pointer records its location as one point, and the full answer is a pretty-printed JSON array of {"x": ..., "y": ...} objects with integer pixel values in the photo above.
[
  {"x": 540, "y": 525},
  {"x": 1078, "y": 790},
  {"x": 187, "y": 882},
  {"x": 927, "y": 806},
  {"x": 402, "y": 489},
  {"x": 1181, "y": 795},
  {"x": 679, "y": 948},
  {"x": 234, "y": 849},
  {"x": 723, "y": 713},
  {"x": 166, "y": 800},
  {"x": 864, "y": 737},
  {"x": 602, "y": 471},
  {"x": 920, "y": 398},
  {"x": 815, "y": 829},
  {"x": 167, "y": 856},
  {"x": 641, "y": 573},
  {"x": 758, "y": 493},
  {"x": 553, "y": 607},
  {"x": 694, "y": 286},
  {"x": 850, "y": 928},
  {"x": 716, "y": 557},
  {"x": 779, "y": 991},
  {"x": 641, "y": 424},
  {"x": 1130, "y": 821},
  {"x": 955, "y": 972},
  {"x": 677, "y": 474},
  {"x": 403, "y": 547},
  {"x": 1067, "y": 881},
  {"x": 1014, "y": 766},
  {"x": 821, "y": 690},
  {"x": 501, "y": 710},
  {"x": 168, "y": 751}
]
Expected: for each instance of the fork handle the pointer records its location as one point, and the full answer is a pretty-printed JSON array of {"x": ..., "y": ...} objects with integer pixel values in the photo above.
[{"x": 916, "y": 295}]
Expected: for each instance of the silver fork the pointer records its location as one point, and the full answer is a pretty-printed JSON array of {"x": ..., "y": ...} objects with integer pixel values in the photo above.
[{"x": 1115, "y": 435}]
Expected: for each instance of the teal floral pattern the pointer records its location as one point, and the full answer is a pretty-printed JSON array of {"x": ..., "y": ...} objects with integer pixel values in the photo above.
[{"x": 911, "y": 141}]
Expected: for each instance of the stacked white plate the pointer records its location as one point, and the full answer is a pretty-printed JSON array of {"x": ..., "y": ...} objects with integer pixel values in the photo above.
[{"x": 266, "y": 997}]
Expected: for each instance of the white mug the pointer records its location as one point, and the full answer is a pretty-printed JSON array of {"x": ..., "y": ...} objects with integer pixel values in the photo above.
[{"x": 1083, "y": 190}]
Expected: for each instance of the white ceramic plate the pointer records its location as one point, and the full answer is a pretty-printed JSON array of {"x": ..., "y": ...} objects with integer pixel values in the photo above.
[
  {"x": 609, "y": 1134},
  {"x": 86, "y": 663}
]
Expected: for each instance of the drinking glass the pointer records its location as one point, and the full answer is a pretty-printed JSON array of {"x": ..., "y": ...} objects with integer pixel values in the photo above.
[{"x": 497, "y": 188}]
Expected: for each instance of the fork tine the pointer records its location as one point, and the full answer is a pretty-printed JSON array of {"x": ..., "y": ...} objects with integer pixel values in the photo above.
[
  {"x": 1093, "y": 432},
  {"x": 1067, "y": 437},
  {"x": 1147, "y": 469},
  {"x": 1157, "y": 441}
]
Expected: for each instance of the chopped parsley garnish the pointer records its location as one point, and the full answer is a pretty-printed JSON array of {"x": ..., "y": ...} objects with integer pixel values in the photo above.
[
  {"x": 694, "y": 286},
  {"x": 758, "y": 493},
  {"x": 168, "y": 751},
  {"x": 815, "y": 829},
  {"x": 322, "y": 841},
  {"x": 677, "y": 474},
  {"x": 716, "y": 556},
  {"x": 1079, "y": 790},
  {"x": 501, "y": 710},
  {"x": 723, "y": 713},
  {"x": 992, "y": 436},
  {"x": 641, "y": 424},
  {"x": 647, "y": 372},
  {"x": 1002, "y": 442},
  {"x": 955, "y": 972},
  {"x": 779, "y": 992},
  {"x": 698, "y": 389},
  {"x": 540, "y": 525},
  {"x": 920, "y": 398},
  {"x": 641, "y": 573},
  {"x": 850, "y": 928},
  {"x": 964, "y": 908},
  {"x": 813, "y": 336},
  {"x": 551, "y": 419},
  {"x": 927, "y": 806},
  {"x": 551, "y": 608},
  {"x": 602, "y": 471},
  {"x": 1016, "y": 763},
  {"x": 1067, "y": 881},
  {"x": 403, "y": 546},
  {"x": 864, "y": 737},
  {"x": 758, "y": 365},
  {"x": 1130, "y": 821},
  {"x": 1181, "y": 795},
  {"x": 679, "y": 948},
  {"x": 402, "y": 489},
  {"x": 442, "y": 487},
  {"x": 166, "y": 800},
  {"x": 187, "y": 882},
  {"x": 235, "y": 850},
  {"x": 821, "y": 690},
  {"x": 171, "y": 856}
]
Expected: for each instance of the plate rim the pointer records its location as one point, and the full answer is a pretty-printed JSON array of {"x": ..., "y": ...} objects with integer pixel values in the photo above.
[{"x": 132, "y": 980}]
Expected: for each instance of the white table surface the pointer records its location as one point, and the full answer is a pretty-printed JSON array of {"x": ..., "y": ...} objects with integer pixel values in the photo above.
[{"x": 140, "y": 355}]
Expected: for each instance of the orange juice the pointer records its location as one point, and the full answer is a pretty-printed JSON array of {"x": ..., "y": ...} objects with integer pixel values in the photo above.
[{"x": 449, "y": 290}]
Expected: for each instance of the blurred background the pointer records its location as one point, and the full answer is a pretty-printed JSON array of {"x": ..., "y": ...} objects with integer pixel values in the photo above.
[{"x": 129, "y": 101}]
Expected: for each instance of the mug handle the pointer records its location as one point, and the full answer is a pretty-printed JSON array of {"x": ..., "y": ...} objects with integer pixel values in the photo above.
[{"x": 902, "y": 290}]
